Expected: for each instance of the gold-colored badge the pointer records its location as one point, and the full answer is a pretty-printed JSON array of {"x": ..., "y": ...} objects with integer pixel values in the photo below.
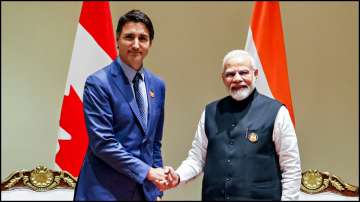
[
  {"x": 152, "y": 94},
  {"x": 253, "y": 137}
]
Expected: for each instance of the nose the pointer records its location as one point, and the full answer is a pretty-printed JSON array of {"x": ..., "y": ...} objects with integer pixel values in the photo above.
[
  {"x": 136, "y": 43},
  {"x": 237, "y": 77}
]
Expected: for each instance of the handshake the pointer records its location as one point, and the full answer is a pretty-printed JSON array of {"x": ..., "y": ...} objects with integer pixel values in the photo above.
[{"x": 164, "y": 178}]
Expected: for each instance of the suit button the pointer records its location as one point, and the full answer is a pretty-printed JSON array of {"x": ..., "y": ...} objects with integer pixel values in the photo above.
[{"x": 233, "y": 125}]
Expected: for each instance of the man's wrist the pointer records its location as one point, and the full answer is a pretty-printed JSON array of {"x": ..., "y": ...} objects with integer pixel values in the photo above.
[
  {"x": 178, "y": 181},
  {"x": 148, "y": 174}
]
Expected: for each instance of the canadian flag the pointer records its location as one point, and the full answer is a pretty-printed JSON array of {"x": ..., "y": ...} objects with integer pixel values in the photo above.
[
  {"x": 94, "y": 48},
  {"x": 265, "y": 42}
]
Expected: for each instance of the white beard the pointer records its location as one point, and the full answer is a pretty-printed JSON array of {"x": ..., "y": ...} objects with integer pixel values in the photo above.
[{"x": 243, "y": 93}]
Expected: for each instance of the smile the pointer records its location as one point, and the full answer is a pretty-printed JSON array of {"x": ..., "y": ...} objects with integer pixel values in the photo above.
[{"x": 240, "y": 87}]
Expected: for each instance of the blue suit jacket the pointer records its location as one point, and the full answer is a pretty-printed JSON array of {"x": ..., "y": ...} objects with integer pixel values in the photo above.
[{"x": 121, "y": 149}]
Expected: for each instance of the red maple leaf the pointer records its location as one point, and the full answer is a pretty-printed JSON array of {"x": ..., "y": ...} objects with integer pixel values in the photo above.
[{"x": 71, "y": 153}]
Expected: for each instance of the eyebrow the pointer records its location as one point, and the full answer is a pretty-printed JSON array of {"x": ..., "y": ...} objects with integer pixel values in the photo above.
[
  {"x": 141, "y": 34},
  {"x": 242, "y": 70}
]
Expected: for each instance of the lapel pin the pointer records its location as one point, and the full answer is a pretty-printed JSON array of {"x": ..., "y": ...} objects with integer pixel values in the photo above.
[
  {"x": 253, "y": 137},
  {"x": 152, "y": 94}
]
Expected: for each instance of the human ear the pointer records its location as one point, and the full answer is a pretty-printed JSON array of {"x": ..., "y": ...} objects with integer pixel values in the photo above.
[{"x": 256, "y": 73}]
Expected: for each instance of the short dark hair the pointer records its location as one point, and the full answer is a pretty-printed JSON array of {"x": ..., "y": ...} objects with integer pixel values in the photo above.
[{"x": 135, "y": 16}]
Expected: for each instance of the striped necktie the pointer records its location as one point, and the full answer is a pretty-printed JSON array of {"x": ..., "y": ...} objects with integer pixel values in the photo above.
[{"x": 139, "y": 97}]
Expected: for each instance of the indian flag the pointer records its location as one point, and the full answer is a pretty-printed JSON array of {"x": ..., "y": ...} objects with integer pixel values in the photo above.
[{"x": 265, "y": 42}]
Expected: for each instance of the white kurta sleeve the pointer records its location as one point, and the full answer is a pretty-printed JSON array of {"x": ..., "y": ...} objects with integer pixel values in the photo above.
[
  {"x": 193, "y": 165},
  {"x": 286, "y": 146}
]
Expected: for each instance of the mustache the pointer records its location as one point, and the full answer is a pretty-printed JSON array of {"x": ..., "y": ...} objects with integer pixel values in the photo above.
[
  {"x": 239, "y": 87},
  {"x": 134, "y": 51}
]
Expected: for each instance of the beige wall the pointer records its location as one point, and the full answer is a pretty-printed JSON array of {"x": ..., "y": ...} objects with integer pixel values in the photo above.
[{"x": 191, "y": 38}]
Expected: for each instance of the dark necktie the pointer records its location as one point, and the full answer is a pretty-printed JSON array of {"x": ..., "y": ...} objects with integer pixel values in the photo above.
[{"x": 139, "y": 97}]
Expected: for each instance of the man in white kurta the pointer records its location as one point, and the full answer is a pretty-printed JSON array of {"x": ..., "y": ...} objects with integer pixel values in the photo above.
[{"x": 256, "y": 156}]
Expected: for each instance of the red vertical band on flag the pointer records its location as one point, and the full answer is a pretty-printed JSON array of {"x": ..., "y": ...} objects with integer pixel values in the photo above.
[
  {"x": 269, "y": 41},
  {"x": 96, "y": 13},
  {"x": 96, "y": 38},
  {"x": 71, "y": 153}
]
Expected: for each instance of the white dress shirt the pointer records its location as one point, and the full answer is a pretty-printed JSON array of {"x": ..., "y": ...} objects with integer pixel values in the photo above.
[
  {"x": 284, "y": 138},
  {"x": 130, "y": 74}
]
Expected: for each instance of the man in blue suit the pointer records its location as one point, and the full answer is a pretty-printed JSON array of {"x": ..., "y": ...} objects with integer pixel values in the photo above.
[{"x": 124, "y": 113}]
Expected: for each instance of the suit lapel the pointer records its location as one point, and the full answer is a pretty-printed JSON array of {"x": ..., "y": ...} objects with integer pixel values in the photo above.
[
  {"x": 123, "y": 84},
  {"x": 150, "y": 98}
]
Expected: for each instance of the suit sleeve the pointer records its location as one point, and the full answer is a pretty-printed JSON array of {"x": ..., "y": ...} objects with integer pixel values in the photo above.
[{"x": 99, "y": 123}]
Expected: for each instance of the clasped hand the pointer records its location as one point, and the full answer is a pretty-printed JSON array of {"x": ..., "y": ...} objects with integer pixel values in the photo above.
[{"x": 164, "y": 178}]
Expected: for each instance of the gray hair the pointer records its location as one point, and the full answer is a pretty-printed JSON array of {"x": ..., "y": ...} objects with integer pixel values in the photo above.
[{"x": 238, "y": 54}]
